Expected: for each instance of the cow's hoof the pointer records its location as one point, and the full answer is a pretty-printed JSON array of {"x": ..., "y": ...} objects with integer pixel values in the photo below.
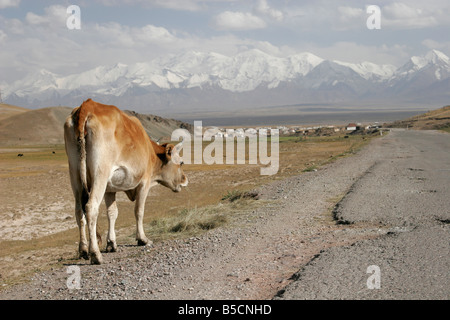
[
  {"x": 144, "y": 242},
  {"x": 96, "y": 258},
  {"x": 111, "y": 246},
  {"x": 84, "y": 255},
  {"x": 83, "y": 252}
]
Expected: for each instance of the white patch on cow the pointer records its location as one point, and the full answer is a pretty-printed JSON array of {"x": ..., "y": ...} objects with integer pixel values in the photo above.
[{"x": 120, "y": 180}]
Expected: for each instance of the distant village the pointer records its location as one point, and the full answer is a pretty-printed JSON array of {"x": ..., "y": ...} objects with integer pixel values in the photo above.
[{"x": 326, "y": 130}]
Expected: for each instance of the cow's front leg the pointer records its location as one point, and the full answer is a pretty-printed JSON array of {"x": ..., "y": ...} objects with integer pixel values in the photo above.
[
  {"x": 141, "y": 195},
  {"x": 112, "y": 212}
]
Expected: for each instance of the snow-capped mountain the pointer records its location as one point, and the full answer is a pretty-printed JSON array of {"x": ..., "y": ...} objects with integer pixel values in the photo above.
[
  {"x": 424, "y": 78},
  {"x": 369, "y": 70},
  {"x": 251, "y": 78},
  {"x": 433, "y": 58}
]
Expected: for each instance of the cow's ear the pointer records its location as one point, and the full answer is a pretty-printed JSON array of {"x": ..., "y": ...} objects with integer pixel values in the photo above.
[{"x": 169, "y": 151}]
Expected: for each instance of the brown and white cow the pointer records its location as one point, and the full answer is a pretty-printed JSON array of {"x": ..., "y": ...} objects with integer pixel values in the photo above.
[{"x": 109, "y": 151}]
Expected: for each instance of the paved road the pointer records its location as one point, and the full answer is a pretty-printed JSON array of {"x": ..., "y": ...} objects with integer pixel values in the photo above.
[{"x": 407, "y": 187}]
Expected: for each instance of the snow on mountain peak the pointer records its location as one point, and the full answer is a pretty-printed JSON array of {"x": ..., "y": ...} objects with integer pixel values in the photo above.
[
  {"x": 369, "y": 70},
  {"x": 244, "y": 71},
  {"x": 435, "y": 56}
]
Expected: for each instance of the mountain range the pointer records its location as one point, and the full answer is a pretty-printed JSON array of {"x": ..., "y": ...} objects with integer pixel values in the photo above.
[{"x": 208, "y": 81}]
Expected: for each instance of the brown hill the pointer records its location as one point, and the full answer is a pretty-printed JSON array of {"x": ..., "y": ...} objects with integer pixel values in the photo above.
[
  {"x": 159, "y": 128},
  {"x": 41, "y": 126},
  {"x": 7, "y": 110},
  {"x": 45, "y": 126},
  {"x": 432, "y": 120}
]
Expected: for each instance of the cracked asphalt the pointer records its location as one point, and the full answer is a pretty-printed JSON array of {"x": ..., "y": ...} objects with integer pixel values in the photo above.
[{"x": 407, "y": 187}]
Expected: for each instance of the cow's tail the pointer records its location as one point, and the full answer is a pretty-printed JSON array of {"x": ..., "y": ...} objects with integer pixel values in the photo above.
[
  {"x": 83, "y": 116},
  {"x": 81, "y": 139}
]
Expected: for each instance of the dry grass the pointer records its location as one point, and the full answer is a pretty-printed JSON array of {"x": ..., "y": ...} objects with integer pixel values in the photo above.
[
  {"x": 433, "y": 120},
  {"x": 187, "y": 223}
]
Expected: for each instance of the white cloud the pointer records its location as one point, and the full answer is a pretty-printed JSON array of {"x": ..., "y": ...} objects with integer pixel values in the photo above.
[
  {"x": 32, "y": 18},
  {"x": 44, "y": 42},
  {"x": 350, "y": 18},
  {"x": 110, "y": 35},
  {"x": 14, "y": 26},
  {"x": 263, "y": 8},
  {"x": 357, "y": 53},
  {"x": 229, "y": 20},
  {"x": 398, "y": 11},
  {"x": 55, "y": 16},
  {"x": 399, "y": 15},
  {"x": 395, "y": 15},
  {"x": 9, "y": 3},
  {"x": 152, "y": 33},
  {"x": 3, "y": 36},
  {"x": 439, "y": 45},
  {"x": 181, "y": 5},
  {"x": 327, "y": 17},
  {"x": 40, "y": 43},
  {"x": 350, "y": 12}
]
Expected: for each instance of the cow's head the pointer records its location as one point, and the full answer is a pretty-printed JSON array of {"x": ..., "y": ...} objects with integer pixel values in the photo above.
[{"x": 172, "y": 175}]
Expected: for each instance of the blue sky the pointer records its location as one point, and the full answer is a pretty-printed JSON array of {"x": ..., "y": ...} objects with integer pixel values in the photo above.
[{"x": 33, "y": 33}]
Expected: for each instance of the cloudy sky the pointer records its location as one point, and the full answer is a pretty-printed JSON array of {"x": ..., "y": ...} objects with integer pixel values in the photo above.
[{"x": 34, "y": 33}]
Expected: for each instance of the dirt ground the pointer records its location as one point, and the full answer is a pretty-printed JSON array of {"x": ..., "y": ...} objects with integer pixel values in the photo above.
[{"x": 37, "y": 224}]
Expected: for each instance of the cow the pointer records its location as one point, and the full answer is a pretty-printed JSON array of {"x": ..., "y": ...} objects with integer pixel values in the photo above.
[{"x": 109, "y": 151}]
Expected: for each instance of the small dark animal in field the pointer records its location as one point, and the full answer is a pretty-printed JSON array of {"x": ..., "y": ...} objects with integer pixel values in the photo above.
[
  {"x": 53, "y": 152},
  {"x": 20, "y": 155}
]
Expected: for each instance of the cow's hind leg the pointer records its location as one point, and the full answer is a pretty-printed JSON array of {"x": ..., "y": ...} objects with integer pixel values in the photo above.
[
  {"x": 91, "y": 215},
  {"x": 81, "y": 221},
  {"x": 92, "y": 206},
  {"x": 78, "y": 193},
  {"x": 112, "y": 212}
]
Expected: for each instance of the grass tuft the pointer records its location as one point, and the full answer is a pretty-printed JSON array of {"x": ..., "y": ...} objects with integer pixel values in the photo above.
[
  {"x": 188, "y": 222},
  {"x": 234, "y": 195}
]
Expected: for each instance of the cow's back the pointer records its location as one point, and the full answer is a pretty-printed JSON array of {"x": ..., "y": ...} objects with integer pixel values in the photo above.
[
  {"x": 112, "y": 139},
  {"x": 115, "y": 128}
]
